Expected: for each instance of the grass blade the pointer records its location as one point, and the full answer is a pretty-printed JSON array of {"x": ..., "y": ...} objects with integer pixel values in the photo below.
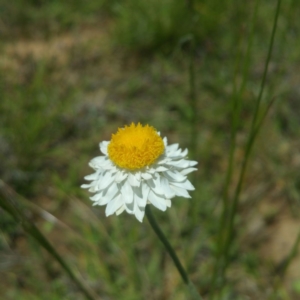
[{"x": 7, "y": 203}]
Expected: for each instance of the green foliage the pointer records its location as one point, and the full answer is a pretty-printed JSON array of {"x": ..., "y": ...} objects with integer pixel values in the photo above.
[
  {"x": 22, "y": 16},
  {"x": 54, "y": 112},
  {"x": 147, "y": 25},
  {"x": 31, "y": 125}
]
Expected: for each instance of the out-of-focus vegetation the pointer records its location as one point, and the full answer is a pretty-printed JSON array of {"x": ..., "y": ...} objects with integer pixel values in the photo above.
[{"x": 71, "y": 72}]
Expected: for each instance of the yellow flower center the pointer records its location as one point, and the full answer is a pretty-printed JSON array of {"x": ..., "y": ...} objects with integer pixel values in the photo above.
[{"x": 135, "y": 146}]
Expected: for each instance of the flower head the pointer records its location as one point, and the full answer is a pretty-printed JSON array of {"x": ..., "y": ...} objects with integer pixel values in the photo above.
[{"x": 138, "y": 168}]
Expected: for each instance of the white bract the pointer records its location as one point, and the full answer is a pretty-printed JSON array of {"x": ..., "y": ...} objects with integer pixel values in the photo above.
[{"x": 132, "y": 187}]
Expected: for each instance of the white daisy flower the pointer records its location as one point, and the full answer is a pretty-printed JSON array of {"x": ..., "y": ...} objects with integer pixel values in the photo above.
[{"x": 139, "y": 168}]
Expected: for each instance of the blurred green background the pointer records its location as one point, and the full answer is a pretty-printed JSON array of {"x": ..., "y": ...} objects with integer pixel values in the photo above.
[{"x": 72, "y": 72}]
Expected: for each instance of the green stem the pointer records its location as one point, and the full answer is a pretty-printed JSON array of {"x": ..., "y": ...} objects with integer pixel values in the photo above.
[{"x": 171, "y": 252}]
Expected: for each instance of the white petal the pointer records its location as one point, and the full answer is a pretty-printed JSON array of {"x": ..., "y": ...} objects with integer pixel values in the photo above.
[
  {"x": 180, "y": 191},
  {"x": 113, "y": 205},
  {"x": 151, "y": 170},
  {"x": 101, "y": 162},
  {"x": 129, "y": 207},
  {"x": 176, "y": 153},
  {"x": 96, "y": 197},
  {"x": 185, "y": 152},
  {"x": 146, "y": 176},
  {"x": 161, "y": 169},
  {"x": 103, "y": 147},
  {"x": 157, "y": 188},
  {"x": 139, "y": 214},
  {"x": 109, "y": 193},
  {"x": 133, "y": 180},
  {"x": 193, "y": 163},
  {"x": 137, "y": 190},
  {"x": 97, "y": 161},
  {"x": 106, "y": 180},
  {"x": 127, "y": 192},
  {"x": 187, "y": 171},
  {"x": 163, "y": 160},
  {"x": 120, "y": 176},
  {"x": 150, "y": 183},
  {"x": 184, "y": 185},
  {"x": 168, "y": 192},
  {"x": 92, "y": 176},
  {"x": 120, "y": 210},
  {"x": 181, "y": 164},
  {"x": 94, "y": 187},
  {"x": 173, "y": 147},
  {"x": 145, "y": 193},
  {"x": 168, "y": 202},
  {"x": 174, "y": 176},
  {"x": 138, "y": 196},
  {"x": 108, "y": 165},
  {"x": 86, "y": 186},
  {"x": 157, "y": 201},
  {"x": 138, "y": 176},
  {"x": 165, "y": 140}
]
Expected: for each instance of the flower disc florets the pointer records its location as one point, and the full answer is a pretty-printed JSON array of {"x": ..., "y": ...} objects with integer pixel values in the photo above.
[{"x": 134, "y": 147}]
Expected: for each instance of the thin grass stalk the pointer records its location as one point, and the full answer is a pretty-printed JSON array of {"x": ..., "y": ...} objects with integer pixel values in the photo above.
[
  {"x": 287, "y": 261},
  {"x": 236, "y": 110},
  {"x": 193, "y": 98},
  {"x": 29, "y": 227},
  {"x": 262, "y": 86},
  {"x": 253, "y": 133},
  {"x": 281, "y": 269},
  {"x": 192, "y": 80},
  {"x": 172, "y": 253},
  {"x": 225, "y": 208},
  {"x": 237, "y": 106},
  {"x": 193, "y": 112}
]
